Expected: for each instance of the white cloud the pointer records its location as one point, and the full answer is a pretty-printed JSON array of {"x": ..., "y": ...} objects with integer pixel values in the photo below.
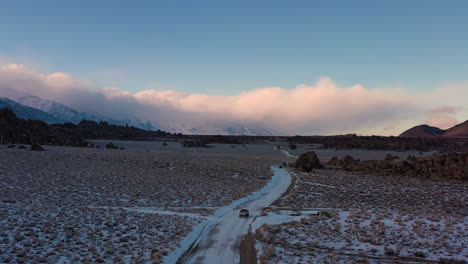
[{"x": 321, "y": 108}]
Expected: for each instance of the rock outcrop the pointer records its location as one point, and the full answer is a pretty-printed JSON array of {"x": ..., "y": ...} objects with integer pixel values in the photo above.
[
  {"x": 37, "y": 147},
  {"x": 451, "y": 166},
  {"x": 307, "y": 162}
]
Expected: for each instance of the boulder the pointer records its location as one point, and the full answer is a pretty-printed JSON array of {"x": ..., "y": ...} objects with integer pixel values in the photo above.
[
  {"x": 390, "y": 157},
  {"x": 307, "y": 162},
  {"x": 111, "y": 146},
  {"x": 37, "y": 147}
]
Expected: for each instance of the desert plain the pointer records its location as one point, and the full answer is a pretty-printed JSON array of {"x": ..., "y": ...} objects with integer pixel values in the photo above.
[{"x": 150, "y": 202}]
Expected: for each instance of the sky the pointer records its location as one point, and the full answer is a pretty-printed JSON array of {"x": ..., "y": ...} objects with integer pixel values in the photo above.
[{"x": 250, "y": 62}]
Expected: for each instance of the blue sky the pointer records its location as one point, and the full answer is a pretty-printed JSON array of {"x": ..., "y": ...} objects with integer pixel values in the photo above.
[{"x": 226, "y": 47}]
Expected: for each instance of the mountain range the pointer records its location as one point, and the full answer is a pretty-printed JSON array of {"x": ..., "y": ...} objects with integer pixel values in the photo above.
[
  {"x": 26, "y": 112},
  {"x": 220, "y": 129},
  {"x": 457, "y": 131},
  {"x": 52, "y": 112}
]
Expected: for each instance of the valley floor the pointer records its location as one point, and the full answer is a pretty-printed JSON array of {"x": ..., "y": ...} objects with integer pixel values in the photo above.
[
  {"x": 372, "y": 219},
  {"x": 88, "y": 205},
  {"x": 149, "y": 202}
]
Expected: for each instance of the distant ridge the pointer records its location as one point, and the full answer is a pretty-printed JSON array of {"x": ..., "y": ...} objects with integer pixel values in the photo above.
[
  {"x": 15, "y": 130},
  {"x": 32, "y": 107},
  {"x": 457, "y": 131},
  {"x": 26, "y": 112},
  {"x": 423, "y": 131},
  {"x": 61, "y": 112},
  {"x": 52, "y": 112}
]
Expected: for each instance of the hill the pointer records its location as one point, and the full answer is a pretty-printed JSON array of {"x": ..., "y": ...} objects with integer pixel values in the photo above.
[
  {"x": 457, "y": 131},
  {"x": 423, "y": 131}
]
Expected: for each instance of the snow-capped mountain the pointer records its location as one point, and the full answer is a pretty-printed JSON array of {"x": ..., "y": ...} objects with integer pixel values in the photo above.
[
  {"x": 64, "y": 114},
  {"x": 26, "y": 112},
  {"x": 57, "y": 110},
  {"x": 220, "y": 129},
  {"x": 33, "y": 107}
]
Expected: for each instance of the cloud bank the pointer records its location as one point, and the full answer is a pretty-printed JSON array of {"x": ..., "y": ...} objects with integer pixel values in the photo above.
[
  {"x": 442, "y": 117},
  {"x": 321, "y": 108}
]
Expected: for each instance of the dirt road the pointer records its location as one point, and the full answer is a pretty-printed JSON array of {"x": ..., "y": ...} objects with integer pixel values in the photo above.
[
  {"x": 218, "y": 239},
  {"x": 247, "y": 251}
]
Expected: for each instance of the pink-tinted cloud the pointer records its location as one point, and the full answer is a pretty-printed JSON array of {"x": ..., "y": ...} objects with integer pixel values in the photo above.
[
  {"x": 443, "y": 117},
  {"x": 443, "y": 110},
  {"x": 442, "y": 122},
  {"x": 320, "y": 108}
]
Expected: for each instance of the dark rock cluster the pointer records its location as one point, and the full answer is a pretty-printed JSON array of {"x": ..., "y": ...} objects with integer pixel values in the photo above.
[
  {"x": 102, "y": 130},
  {"x": 37, "y": 147},
  {"x": 452, "y": 166},
  {"x": 307, "y": 162},
  {"x": 384, "y": 143},
  {"x": 20, "y": 131},
  {"x": 195, "y": 144}
]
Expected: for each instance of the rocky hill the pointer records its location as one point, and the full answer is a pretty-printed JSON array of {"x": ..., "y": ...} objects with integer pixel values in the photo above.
[
  {"x": 423, "y": 131},
  {"x": 458, "y": 131}
]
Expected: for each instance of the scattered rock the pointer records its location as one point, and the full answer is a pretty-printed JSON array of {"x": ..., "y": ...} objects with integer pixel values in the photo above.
[
  {"x": 110, "y": 145},
  {"x": 195, "y": 144}
]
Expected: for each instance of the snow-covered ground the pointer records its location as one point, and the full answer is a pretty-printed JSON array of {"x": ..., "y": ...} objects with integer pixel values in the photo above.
[
  {"x": 151, "y": 202},
  {"x": 287, "y": 153},
  {"x": 373, "y": 219},
  {"x": 81, "y": 205},
  {"x": 50, "y": 234}
]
